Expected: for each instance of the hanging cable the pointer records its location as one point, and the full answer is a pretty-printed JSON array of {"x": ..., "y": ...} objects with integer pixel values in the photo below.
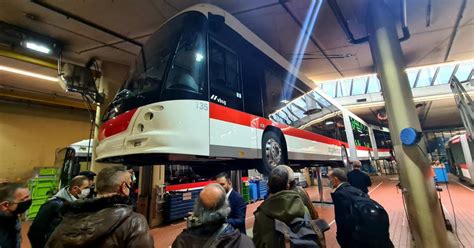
[
  {"x": 454, "y": 215},
  {"x": 91, "y": 130}
]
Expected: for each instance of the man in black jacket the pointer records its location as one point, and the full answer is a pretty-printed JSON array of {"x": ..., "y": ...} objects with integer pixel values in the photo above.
[
  {"x": 14, "y": 200},
  {"x": 343, "y": 196},
  {"x": 238, "y": 207},
  {"x": 342, "y": 207},
  {"x": 49, "y": 216},
  {"x": 358, "y": 178}
]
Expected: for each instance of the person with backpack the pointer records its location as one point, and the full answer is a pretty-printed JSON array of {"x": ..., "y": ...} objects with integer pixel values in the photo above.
[
  {"x": 49, "y": 215},
  {"x": 361, "y": 222},
  {"x": 282, "y": 219},
  {"x": 207, "y": 226}
]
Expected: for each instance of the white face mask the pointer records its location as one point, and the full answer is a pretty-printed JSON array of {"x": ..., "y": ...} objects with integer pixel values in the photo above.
[{"x": 84, "y": 193}]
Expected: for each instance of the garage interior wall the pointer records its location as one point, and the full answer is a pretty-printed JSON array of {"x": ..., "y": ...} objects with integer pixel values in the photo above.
[{"x": 30, "y": 135}]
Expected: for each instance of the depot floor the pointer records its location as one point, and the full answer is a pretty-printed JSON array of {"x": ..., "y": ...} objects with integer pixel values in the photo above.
[{"x": 383, "y": 191}]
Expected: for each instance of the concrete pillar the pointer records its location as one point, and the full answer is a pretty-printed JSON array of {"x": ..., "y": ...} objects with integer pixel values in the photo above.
[
  {"x": 424, "y": 211},
  {"x": 112, "y": 77},
  {"x": 236, "y": 178}
]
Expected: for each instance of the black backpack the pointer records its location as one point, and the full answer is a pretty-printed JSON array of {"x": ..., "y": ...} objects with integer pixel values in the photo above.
[
  {"x": 300, "y": 233},
  {"x": 371, "y": 222}
]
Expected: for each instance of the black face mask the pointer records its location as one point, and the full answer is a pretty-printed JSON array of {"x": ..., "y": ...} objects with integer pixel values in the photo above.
[{"x": 22, "y": 207}]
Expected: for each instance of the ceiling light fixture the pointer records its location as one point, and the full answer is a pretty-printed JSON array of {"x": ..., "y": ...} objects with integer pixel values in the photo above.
[
  {"x": 27, "y": 73},
  {"x": 37, "y": 47}
]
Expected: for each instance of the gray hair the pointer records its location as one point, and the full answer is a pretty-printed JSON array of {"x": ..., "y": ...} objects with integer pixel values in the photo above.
[
  {"x": 7, "y": 191},
  {"x": 109, "y": 179},
  {"x": 357, "y": 164},
  {"x": 278, "y": 179},
  {"x": 339, "y": 174},
  {"x": 216, "y": 214}
]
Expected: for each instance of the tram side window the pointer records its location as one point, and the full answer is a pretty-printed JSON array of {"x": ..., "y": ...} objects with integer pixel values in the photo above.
[
  {"x": 252, "y": 77},
  {"x": 274, "y": 91},
  {"x": 224, "y": 76}
]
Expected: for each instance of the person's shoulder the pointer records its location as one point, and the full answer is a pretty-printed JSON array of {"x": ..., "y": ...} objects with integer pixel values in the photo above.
[
  {"x": 138, "y": 218},
  {"x": 234, "y": 195}
]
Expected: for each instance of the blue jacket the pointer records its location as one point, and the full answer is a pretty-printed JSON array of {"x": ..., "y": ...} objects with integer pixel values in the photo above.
[{"x": 238, "y": 209}]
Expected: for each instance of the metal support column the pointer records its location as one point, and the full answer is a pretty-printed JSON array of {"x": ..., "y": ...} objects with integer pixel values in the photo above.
[
  {"x": 424, "y": 211},
  {"x": 236, "y": 178}
]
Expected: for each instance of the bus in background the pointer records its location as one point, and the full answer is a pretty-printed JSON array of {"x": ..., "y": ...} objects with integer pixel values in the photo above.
[
  {"x": 207, "y": 91},
  {"x": 382, "y": 143},
  {"x": 330, "y": 120},
  {"x": 73, "y": 159},
  {"x": 460, "y": 151}
]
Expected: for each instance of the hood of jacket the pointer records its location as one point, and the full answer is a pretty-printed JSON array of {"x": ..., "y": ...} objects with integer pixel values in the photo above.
[
  {"x": 284, "y": 206},
  {"x": 87, "y": 222},
  {"x": 64, "y": 194}
]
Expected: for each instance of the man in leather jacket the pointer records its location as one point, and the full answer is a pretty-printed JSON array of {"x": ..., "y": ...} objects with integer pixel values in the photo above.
[{"x": 106, "y": 221}]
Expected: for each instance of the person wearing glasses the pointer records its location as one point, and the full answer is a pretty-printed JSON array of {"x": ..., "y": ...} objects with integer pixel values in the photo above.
[{"x": 105, "y": 221}]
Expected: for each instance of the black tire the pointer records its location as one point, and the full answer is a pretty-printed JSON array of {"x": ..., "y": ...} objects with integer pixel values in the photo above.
[
  {"x": 273, "y": 153},
  {"x": 345, "y": 158}
]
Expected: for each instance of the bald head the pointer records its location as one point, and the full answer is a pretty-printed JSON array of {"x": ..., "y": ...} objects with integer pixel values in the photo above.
[
  {"x": 211, "y": 196},
  {"x": 212, "y": 206},
  {"x": 356, "y": 164}
]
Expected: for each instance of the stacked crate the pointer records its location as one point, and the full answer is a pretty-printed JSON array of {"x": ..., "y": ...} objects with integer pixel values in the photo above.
[
  {"x": 180, "y": 203},
  {"x": 246, "y": 191},
  {"x": 262, "y": 189},
  {"x": 43, "y": 185}
]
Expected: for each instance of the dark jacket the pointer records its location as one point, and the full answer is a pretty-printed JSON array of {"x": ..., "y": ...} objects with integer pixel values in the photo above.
[
  {"x": 284, "y": 206},
  {"x": 10, "y": 231},
  {"x": 101, "y": 222},
  {"x": 238, "y": 210},
  {"x": 198, "y": 236},
  {"x": 344, "y": 222},
  {"x": 48, "y": 218},
  {"x": 359, "y": 179}
]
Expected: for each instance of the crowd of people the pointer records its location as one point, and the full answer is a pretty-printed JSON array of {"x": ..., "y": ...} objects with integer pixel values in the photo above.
[{"x": 104, "y": 217}]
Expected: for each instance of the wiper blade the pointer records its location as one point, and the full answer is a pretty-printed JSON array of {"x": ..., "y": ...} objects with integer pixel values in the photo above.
[{"x": 122, "y": 95}]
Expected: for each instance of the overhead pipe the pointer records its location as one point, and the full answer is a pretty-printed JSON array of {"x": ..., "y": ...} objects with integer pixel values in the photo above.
[
  {"x": 455, "y": 29},
  {"x": 17, "y": 95},
  {"x": 297, "y": 21},
  {"x": 44, "y": 62},
  {"x": 350, "y": 36},
  {"x": 86, "y": 22}
]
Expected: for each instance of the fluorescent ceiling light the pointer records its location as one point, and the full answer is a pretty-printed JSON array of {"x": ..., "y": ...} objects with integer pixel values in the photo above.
[
  {"x": 37, "y": 47},
  {"x": 27, "y": 73}
]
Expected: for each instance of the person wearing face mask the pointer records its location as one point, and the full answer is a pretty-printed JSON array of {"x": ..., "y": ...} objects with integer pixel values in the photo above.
[
  {"x": 49, "y": 215},
  {"x": 105, "y": 221},
  {"x": 91, "y": 176},
  {"x": 14, "y": 200}
]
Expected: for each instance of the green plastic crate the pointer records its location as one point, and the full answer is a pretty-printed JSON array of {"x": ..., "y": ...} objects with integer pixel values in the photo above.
[
  {"x": 48, "y": 171},
  {"x": 245, "y": 192},
  {"x": 35, "y": 207}
]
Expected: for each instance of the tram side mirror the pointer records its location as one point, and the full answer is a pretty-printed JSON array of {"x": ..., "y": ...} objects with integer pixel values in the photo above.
[{"x": 215, "y": 22}]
